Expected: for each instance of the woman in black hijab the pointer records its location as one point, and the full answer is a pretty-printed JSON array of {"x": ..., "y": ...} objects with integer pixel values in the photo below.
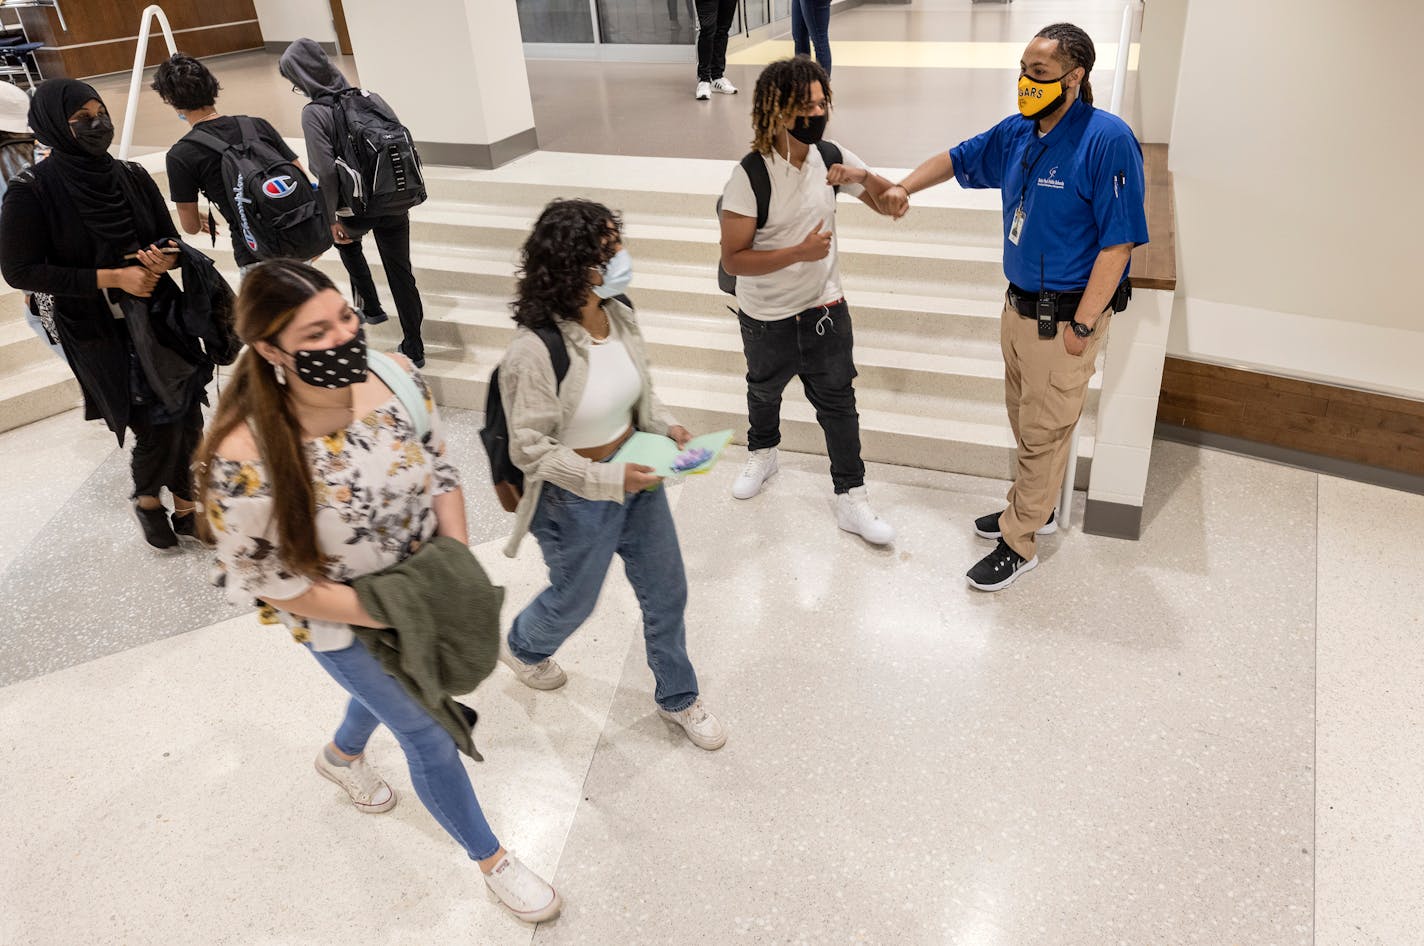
[{"x": 90, "y": 231}]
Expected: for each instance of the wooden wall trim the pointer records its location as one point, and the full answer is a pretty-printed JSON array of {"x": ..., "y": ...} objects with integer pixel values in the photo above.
[
  {"x": 1321, "y": 419},
  {"x": 1154, "y": 264}
]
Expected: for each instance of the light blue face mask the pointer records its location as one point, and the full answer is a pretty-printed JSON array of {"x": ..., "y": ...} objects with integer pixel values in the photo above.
[{"x": 617, "y": 276}]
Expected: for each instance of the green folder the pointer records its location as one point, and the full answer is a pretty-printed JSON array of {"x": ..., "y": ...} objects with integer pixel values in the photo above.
[{"x": 661, "y": 452}]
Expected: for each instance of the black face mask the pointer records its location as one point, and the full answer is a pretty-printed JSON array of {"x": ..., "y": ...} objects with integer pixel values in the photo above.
[
  {"x": 338, "y": 367},
  {"x": 809, "y": 128},
  {"x": 94, "y": 134}
]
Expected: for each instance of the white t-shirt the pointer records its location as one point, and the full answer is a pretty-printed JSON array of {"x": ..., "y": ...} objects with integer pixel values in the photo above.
[
  {"x": 611, "y": 393},
  {"x": 799, "y": 200}
]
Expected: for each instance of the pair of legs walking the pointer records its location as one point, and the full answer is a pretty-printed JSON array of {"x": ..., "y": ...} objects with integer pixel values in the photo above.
[
  {"x": 162, "y": 457},
  {"x": 392, "y": 235},
  {"x": 811, "y": 23}
]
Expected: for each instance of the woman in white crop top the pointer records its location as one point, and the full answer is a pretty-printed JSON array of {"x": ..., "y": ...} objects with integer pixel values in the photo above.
[{"x": 582, "y": 508}]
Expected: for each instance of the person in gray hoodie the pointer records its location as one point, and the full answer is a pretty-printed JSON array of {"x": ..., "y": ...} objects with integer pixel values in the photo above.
[{"x": 312, "y": 74}]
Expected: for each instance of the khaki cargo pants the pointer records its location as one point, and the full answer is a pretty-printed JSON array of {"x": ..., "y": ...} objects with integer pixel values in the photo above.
[{"x": 1044, "y": 390}]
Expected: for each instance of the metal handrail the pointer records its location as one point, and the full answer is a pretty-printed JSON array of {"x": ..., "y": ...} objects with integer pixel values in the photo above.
[
  {"x": 150, "y": 13},
  {"x": 1070, "y": 473}
]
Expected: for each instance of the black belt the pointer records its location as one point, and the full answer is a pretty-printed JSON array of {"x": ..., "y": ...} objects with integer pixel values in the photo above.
[{"x": 1065, "y": 304}]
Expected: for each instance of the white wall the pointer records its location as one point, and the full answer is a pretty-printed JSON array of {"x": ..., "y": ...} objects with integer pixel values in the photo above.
[
  {"x": 285, "y": 20},
  {"x": 1296, "y": 151}
]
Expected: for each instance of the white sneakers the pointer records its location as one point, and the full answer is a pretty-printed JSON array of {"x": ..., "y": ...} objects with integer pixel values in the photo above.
[
  {"x": 724, "y": 86},
  {"x": 545, "y": 675},
  {"x": 853, "y": 514},
  {"x": 521, "y": 891},
  {"x": 761, "y": 466},
  {"x": 705, "y": 730},
  {"x": 704, "y": 91},
  {"x": 369, "y": 792}
]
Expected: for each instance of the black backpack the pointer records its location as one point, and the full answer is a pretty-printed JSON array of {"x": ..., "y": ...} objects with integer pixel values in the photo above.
[
  {"x": 376, "y": 160},
  {"x": 755, "y": 166},
  {"x": 508, "y": 479},
  {"x": 278, "y": 213}
]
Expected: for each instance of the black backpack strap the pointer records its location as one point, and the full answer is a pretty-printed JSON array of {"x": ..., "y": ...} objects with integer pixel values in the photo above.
[
  {"x": 207, "y": 140},
  {"x": 558, "y": 353},
  {"x": 755, "y": 166},
  {"x": 248, "y": 127},
  {"x": 830, "y": 154}
]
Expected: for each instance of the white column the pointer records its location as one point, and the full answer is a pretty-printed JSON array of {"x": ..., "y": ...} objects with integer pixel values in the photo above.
[
  {"x": 454, "y": 72},
  {"x": 1159, "y": 62},
  {"x": 283, "y": 21}
]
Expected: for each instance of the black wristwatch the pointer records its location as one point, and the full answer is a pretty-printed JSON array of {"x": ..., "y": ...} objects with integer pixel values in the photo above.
[{"x": 1079, "y": 329}]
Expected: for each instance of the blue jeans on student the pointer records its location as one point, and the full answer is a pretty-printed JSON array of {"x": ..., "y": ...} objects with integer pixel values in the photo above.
[
  {"x": 578, "y": 538},
  {"x": 438, "y": 774},
  {"x": 811, "y": 23}
]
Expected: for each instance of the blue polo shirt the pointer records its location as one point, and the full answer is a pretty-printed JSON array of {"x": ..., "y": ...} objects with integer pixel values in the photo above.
[{"x": 1081, "y": 186}]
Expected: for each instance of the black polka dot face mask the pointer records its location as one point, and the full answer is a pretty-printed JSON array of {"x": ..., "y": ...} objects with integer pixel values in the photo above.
[{"x": 338, "y": 367}]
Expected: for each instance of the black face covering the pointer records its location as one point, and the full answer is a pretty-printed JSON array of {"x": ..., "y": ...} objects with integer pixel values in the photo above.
[
  {"x": 338, "y": 367},
  {"x": 809, "y": 128},
  {"x": 94, "y": 134}
]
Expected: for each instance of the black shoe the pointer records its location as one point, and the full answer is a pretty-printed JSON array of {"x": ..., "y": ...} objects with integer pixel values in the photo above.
[
  {"x": 374, "y": 318},
  {"x": 999, "y": 568},
  {"x": 185, "y": 525},
  {"x": 417, "y": 360},
  {"x": 156, "y": 528},
  {"x": 987, "y": 527}
]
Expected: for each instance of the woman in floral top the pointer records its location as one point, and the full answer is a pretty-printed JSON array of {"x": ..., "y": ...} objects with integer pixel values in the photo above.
[{"x": 313, "y": 475}]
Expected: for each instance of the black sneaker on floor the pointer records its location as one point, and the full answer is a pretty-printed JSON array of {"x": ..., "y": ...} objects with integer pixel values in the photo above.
[
  {"x": 186, "y": 525},
  {"x": 999, "y": 568},
  {"x": 156, "y": 528},
  {"x": 374, "y": 318},
  {"x": 987, "y": 527}
]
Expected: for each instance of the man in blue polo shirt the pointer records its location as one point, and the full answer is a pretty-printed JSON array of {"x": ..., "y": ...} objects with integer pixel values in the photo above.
[{"x": 1072, "y": 185}]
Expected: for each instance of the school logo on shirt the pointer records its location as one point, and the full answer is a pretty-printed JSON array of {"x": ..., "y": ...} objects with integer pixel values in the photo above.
[
  {"x": 279, "y": 187},
  {"x": 1051, "y": 180}
]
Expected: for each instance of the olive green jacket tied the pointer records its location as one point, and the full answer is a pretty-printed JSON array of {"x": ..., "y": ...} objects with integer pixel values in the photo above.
[{"x": 442, "y": 630}]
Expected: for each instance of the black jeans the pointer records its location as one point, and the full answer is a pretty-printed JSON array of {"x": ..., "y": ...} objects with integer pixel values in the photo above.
[
  {"x": 817, "y": 346},
  {"x": 163, "y": 455},
  {"x": 714, "y": 21},
  {"x": 393, "y": 243}
]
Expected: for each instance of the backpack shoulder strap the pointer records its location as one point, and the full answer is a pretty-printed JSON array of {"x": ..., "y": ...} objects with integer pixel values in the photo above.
[
  {"x": 403, "y": 386},
  {"x": 755, "y": 166},
  {"x": 207, "y": 140},
  {"x": 248, "y": 127},
  {"x": 830, "y": 154},
  {"x": 558, "y": 353}
]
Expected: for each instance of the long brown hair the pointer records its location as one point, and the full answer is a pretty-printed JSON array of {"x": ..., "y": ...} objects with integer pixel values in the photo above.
[
  {"x": 783, "y": 90},
  {"x": 272, "y": 292}
]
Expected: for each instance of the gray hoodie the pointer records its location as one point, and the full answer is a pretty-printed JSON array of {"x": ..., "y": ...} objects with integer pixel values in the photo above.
[{"x": 306, "y": 65}]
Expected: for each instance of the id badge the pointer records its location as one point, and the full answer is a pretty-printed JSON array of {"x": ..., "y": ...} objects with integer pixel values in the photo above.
[{"x": 1016, "y": 228}]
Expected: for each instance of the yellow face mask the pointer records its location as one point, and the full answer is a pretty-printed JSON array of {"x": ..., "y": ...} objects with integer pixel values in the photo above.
[{"x": 1039, "y": 96}]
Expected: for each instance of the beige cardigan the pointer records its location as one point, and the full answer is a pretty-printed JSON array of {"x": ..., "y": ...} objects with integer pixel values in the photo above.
[{"x": 538, "y": 410}]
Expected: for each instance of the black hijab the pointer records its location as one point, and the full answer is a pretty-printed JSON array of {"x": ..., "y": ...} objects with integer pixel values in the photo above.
[{"x": 100, "y": 187}]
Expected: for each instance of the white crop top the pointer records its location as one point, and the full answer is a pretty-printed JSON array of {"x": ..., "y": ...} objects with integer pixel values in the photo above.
[{"x": 612, "y": 391}]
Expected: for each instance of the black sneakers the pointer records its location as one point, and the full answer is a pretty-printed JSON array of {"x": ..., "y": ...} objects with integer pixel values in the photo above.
[
  {"x": 186, "y": 525},
  {"x": 987, "y": 527},
  {"x": 156, "y": 528},
  {"x": 999, "y": 568}
]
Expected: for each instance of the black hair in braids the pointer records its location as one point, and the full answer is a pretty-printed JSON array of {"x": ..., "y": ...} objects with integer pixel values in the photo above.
[
  {"x": 570, "y": 239},
  {"x": 184, "y": 82},
  {"x": 1075, "y": 48}
]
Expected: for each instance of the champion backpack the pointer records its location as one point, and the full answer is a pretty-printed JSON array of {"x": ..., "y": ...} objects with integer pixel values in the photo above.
[
  {"x": 376, "y": 161},
  {"x": 755, "y": 166},
  {"x": 508, "y": 479},
  {"x": 278, "y": 212}
]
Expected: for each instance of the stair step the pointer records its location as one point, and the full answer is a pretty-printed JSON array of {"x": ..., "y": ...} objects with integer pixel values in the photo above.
[{"x": 42, "y": 390}]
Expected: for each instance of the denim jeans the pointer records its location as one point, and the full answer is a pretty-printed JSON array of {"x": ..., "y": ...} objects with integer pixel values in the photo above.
[
  {"x": 811, "y": 22},
  {"x": 436, "y": 770},
  {"x": 714, "y": 18},
  {"x": 393, "y": 243},
  {"x": 578, "y": 538},
  {"x": 816, "y": 345}
]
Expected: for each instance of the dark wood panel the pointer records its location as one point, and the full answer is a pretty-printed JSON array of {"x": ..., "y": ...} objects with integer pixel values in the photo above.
[
  {"x": 1154, "y": 265},
  {"x": 1316, "y": 418},
  {"x": 343, "y": 32},
  {"x": 92, "y": 21},
  {"x": 118, "y": 56}
]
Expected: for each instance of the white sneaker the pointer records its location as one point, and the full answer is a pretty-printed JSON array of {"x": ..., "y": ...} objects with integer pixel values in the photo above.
[
  {"x": 704, "y": 91},
  {"x": 853, "y": 514},
  {"x": 761, "y": 466},
  {"x": 545, "y": 675},
  {"x": 521, "y": 891},
  {"x": 724, "y": 86},
  {"x": 705, "y": 730},
  {"x": 369, "y": 792}
]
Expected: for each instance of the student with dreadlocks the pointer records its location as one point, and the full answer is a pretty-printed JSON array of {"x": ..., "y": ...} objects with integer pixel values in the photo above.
[
  {"x": 793, "y": 314},
  {"x": 1072, "y": 184}
]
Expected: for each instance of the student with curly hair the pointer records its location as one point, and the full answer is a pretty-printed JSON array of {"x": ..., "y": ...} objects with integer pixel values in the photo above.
[
  {"x": 793, "y": 314},
  {"x": 581, "y": 507}
]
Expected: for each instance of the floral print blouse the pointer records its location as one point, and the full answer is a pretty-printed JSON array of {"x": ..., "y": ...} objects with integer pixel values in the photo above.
[{"x": 374, "y": 481}]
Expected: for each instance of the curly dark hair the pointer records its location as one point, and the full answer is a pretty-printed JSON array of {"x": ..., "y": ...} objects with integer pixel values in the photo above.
[
  {"x": 783, "y": 90},
  {"x": 184, "y": 82},
  {"x": 570, "y": 239}
]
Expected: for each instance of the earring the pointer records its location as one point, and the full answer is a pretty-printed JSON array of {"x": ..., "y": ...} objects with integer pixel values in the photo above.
[{"x": 279, "y": 373}]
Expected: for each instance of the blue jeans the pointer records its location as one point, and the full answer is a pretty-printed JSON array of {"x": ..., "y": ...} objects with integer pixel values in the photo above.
[
  {"x": 435, "y": 768},
  {"x": 811, "y": 22},
  {"x": 578, "y": 538}
]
